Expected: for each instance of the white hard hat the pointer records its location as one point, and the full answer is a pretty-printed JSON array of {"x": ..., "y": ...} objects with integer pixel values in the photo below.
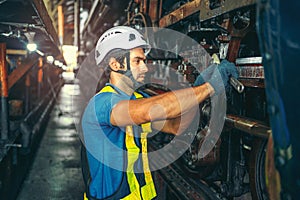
[{"x": 119, "y": 37}]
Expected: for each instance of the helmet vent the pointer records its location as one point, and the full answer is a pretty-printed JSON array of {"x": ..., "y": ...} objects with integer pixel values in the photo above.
[
  {"x": 97, "y": 54},
  {"x": 109, "y": 34},
  {"x": 102, "y": 39},
  {"x": 143, "y": 39},
  {"x": 131, "y": 37}
]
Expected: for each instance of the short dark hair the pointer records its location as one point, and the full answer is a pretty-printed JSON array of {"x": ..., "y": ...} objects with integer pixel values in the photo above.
[{"x": 119, "y": 55}]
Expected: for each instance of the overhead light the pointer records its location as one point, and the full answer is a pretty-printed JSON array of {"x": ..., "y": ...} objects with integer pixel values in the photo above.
[
  {"x": 39, "y": 52},
  {"x": 50, "y": 59},
  {"x": 31, "y": 46},
  {"x": 56, "y": 62}
]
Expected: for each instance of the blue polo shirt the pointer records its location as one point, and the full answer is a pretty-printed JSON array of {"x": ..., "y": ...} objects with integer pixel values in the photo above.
[{"x": 104, "y": 143}]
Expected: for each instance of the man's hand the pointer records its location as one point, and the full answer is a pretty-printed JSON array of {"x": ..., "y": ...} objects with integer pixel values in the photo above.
[{"x": 218, "y": 76}]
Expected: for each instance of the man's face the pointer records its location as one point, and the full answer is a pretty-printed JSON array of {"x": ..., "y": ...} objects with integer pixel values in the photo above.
[{"x": 137, "y": 64}]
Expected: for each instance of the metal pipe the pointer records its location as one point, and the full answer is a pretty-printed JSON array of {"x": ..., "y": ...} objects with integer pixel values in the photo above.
[
  {"x": 237, "y": 85},
  {"x": 251, "y": 126},
  {"x": 4, "y": 93},
  {"x": 77, "y": 24},
  {"x": 145, "y": 6},
  {"x": 27, "y": 93},
  {"x": 92, "y": 12},
  {"x": 102, "y": 13},
  {"x": 153, "y": 11},
  {"x": 160, "y": 9},
  {"x": 60, "y": 24},
  {"x": 40, "y": 76}
]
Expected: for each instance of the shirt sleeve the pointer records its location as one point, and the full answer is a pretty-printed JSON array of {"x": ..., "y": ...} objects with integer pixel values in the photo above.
[{"x": 104, "y": 103}]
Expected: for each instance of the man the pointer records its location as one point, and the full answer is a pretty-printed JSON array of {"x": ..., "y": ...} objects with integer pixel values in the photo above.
[{"x": 116, "y": 120}]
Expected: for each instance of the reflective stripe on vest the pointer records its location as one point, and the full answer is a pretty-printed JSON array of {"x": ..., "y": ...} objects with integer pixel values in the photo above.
[
  {"x": 136, "y": 191},
  {"x": 107, "y": 89}
]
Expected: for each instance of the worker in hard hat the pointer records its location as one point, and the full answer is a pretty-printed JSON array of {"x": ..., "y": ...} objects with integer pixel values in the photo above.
[{"x": 117, "y": 119}]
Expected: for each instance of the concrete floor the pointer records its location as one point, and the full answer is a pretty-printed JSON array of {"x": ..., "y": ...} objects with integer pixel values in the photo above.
[{"x": 56, "y": 171}]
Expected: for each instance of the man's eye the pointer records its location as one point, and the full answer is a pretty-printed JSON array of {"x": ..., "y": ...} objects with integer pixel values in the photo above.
[{"x": 138, "y": 61}]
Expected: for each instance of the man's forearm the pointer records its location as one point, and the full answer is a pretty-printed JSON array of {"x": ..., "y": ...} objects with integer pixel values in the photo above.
[
  {"x": 176, "y": 125},
  {"x": 166, "y": 106}
]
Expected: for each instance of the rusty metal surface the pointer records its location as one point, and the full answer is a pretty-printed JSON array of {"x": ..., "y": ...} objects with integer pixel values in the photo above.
[
  {"x": 233, "y": 49},
  {"x": 15, "y": 108},
  {"x": 272, "y": 175},
  {"x": 206, "y": 13},
  {"x": 247, "y": 125},
  {"x": 21, "y": 70},
  {"x": 144, "y": 6},
  {"x": 251, "y": 72},
  {"x": 3, "y": 70},
  {"x": 4, "y": 93},
  {"x": 226, "y": 6},
  {"x": 236, "y": 37},
  {"x": 41, "y": 10},
  {"x": 253, "y": 83},
  {"x": 154, "y": 10},
  {"x": 181, "y": 13}
]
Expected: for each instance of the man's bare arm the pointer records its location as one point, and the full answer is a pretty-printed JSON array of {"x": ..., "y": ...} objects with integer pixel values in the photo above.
[
  {"x": 177, "y": 125},
  {"x": 169, "y": 105}
]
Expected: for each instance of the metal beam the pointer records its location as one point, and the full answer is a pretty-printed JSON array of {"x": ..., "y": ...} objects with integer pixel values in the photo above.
[
  {"x": 202, "y": 6},
  {"x": 4, "y": 93},
  {"x": 181, "y": 13},
  {"x": 16, "y": 52},
  {"x": 61, "y": 23},
  {"x": 41, "y": 11},
  {"x": 225, "y": 7},
  {"x": 251, "y": 126},
  {"x": 20, "y": 71},
  {"x": 91, "y": 14},
  {"x": 77, "y": 24},
  {"x": 51, "y": 12}
]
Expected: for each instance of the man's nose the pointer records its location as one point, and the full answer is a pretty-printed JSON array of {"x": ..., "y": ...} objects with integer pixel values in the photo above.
[{"x": 144, "y": 68}]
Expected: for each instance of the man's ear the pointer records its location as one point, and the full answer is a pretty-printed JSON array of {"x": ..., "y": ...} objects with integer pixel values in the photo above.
[{"x": 114, "y": 64}]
